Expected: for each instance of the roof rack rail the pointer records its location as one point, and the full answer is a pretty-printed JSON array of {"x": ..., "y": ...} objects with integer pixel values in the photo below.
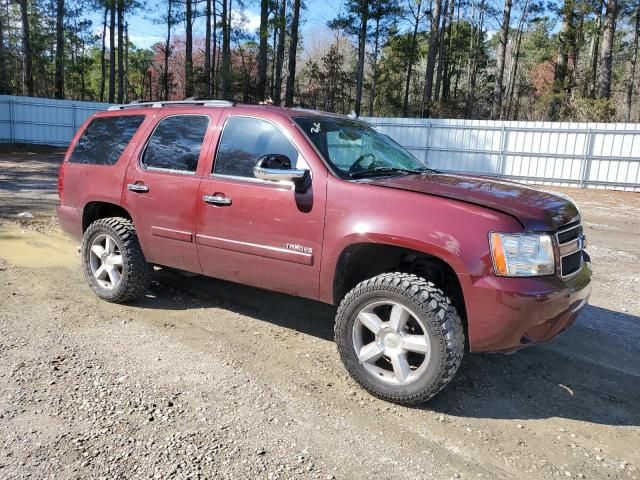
[
  {"x": 314, "y": 110},
  {"x": 160, "y": 104}
]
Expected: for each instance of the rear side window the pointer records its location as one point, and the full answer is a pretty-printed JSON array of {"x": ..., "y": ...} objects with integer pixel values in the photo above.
[
  {"x": 244, "y": 140},
  {"x": 104, "y": 140},
  {"x": 176, "y": 142}
]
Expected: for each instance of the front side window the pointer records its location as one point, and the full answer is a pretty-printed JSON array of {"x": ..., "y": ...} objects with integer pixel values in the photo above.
[
  {"x": 176, "y": 142},
  {"x": 244, "y": 140},
  {"x": 104, "y": 139},
  {"x": 356, "y": 150}
]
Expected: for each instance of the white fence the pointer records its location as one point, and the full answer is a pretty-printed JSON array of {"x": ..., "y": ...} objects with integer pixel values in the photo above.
[
  {"x": 570, "y": 154},
  {"x": 42, "y": 120}
]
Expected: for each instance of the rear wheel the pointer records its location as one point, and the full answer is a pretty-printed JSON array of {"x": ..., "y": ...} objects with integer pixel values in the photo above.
[
  {"x": 113, "y": 263},
  {"x": 399, "y": 337}
]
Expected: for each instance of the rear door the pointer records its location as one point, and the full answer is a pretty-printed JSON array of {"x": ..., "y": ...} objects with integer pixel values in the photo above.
[
  {"x": 97, "y": 164},
  {"x": 258, "y": 232},
  {"x": 161, "y": 186}
]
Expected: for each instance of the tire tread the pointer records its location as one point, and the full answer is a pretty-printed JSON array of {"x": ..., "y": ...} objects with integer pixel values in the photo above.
[
  {"x": 429, "y": 298},
  {"x": 139, "y": 272}
]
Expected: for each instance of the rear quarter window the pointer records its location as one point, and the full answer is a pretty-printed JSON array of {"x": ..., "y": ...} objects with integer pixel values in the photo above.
[{"x": 104, "y": 139}]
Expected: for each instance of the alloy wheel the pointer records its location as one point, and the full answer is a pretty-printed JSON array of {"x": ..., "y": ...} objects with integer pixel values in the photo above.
[
  {"x": 105, "y": 260},
  {"x": 391, "y": 342}
]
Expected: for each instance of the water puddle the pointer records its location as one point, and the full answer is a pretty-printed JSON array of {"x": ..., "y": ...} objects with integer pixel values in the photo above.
[{"x": 27, "y": 248}]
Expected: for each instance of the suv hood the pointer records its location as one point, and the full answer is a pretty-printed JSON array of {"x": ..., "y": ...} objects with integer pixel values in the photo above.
[{"x": 536, "y": 209}]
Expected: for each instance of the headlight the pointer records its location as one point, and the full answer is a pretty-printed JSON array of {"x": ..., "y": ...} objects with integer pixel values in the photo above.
[{"x": 522, "y": 254}]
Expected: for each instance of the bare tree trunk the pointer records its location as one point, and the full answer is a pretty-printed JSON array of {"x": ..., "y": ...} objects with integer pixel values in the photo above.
[
  {"x": 103, "y": 66},
  {"x": 442, "y": 49},
  {"x": 82, "y": 72},
  {"x": 246, "y": 77},
  {"x": 207, "y": 49},
  {"x": 593, "y": 57},
  {"x": 4, "y": 62},
  {"x": 126, "y": 62},
  {"x": 472, "y": 39},
  {"x": 26, "y": 48},
  {"x": 263, "y": 49},
  {"x": 473, "y": 62},
  {"x": 516, "y": 112},
  {"x": 167, "y": 53},
  {"x": 274, "y": 49},
  {"x": 565, "y": 38},
  {"x": 515, "y": 58},
  {"x": 293, "y": 50},
  {"x": 120, "y": 50},
  {"x": 214, "y": 53},
  {"x": 606, "y": 65},
  {"x": 112, "y": 53},
  {"x": 574, "y": 54},
  {"x": 75, "y": 57},
  {"x": 634, "y": 62},
  {"x": 362, "y": 47},
  {"x": 407, "y": 85},
  {"x": 4, "y": 68},
  {"x": 188, "y": 60},
  {"x": 226, "y": 49},
  {"x": 496, "y": 109},
  {"x": 59, "y": 80},
  {"x": 282, "y": 27},
  {"x": 434, "y": 35},
  {"x": 446, "y": 78},
  {"x": 374, "y": 66}
]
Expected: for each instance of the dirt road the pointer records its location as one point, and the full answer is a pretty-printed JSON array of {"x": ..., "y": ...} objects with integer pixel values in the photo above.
[{"x": 205, "y": 378}]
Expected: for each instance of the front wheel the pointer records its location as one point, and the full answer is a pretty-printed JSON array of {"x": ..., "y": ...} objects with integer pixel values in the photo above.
[
  {"x": 399, "y": 337},
  {"x": 113, "y": 263}
]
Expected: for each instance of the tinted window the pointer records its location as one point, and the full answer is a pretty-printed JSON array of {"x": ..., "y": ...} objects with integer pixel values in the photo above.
[
  {"x": 175, "y": 143},
  {"x": 104, "y": 140},
  {"x": 244, "y": 140}
]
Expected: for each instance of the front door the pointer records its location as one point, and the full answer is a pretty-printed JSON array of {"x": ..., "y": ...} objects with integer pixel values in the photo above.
[
  {"x": 258, "y": 232},
  {"x": 161, "y": 189}
]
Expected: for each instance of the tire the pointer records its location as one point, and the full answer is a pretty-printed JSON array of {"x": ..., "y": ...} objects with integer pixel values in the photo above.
[
  {"x": 132, "y": 272},
  {"x": 428, "y": 334}
]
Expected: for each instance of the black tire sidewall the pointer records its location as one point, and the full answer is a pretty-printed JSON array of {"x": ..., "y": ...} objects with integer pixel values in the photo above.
[
  {"x": 92, "y": 232},
  {"x": 136, "y": 272},
  {"x": 430, "y": 381}
]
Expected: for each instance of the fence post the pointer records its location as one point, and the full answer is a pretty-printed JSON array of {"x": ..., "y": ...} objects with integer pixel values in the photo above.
[
  {"x": 428, "y": 145},
  {"x": 12, "y": 133},
  {"x": 501, "y": 157},
  {"x": 586, "y": 161}
]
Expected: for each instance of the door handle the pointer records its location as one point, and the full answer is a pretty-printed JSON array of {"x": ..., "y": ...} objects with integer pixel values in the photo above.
[
  {"x": 137, "y": 187},
  {"x": 217, "y": 199}
]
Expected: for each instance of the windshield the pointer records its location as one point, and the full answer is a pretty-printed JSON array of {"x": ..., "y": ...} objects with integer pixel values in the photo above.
[{"x": 356, "y": 150}]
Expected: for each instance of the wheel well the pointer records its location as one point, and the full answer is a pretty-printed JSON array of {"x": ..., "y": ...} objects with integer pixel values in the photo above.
[
  {"x": 96, "y": 210},
  {"x": 362, "y": 261}
]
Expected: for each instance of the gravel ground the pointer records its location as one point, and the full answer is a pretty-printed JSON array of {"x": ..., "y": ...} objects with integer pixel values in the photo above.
[{"x": 205, "y": 378}]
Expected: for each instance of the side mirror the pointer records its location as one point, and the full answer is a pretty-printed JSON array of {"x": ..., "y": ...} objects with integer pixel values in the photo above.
[{"x": 277, "y": 168}]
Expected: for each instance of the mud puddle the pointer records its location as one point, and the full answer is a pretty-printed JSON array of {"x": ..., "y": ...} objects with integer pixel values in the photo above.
[{"x": 22, "y": 247}]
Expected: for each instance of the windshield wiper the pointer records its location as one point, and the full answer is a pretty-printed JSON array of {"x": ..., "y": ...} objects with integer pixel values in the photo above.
[{"x": 381, "y": 171}]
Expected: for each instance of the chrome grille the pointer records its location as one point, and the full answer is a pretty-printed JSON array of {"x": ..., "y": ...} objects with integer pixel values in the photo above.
[{"x": 571, "y": 244}]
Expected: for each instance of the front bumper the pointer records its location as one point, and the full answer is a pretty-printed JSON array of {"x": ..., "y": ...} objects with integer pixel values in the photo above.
[{"x": 506, "y": 314}]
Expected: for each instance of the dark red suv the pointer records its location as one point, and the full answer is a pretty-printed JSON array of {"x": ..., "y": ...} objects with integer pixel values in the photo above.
[{"x": 422, "y": 264}]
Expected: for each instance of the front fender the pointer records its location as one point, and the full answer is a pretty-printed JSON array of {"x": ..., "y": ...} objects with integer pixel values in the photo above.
[{"x": 451, "y": 230}]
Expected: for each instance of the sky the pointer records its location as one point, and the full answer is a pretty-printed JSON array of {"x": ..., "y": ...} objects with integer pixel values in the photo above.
[{"x": 144, "y": 31}]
